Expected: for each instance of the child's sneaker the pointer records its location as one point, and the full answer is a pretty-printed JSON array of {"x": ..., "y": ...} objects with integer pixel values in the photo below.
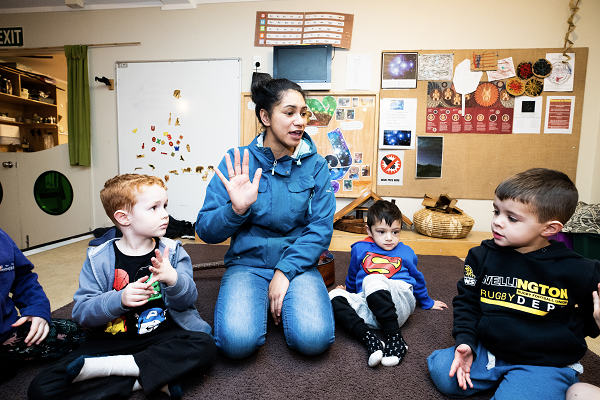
[
  {"x": 374, "y": 347},
  {"x": 395, "y": 350}
]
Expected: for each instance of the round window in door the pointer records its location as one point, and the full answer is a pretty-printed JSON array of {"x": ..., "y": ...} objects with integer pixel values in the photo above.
[{"x": 53, "y": 193}]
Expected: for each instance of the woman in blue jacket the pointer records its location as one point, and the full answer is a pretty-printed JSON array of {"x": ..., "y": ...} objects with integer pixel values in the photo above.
[{"x": 280, "y": 222}]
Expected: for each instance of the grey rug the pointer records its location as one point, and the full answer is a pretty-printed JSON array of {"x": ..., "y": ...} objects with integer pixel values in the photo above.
[{"x": 276, "y": 372}]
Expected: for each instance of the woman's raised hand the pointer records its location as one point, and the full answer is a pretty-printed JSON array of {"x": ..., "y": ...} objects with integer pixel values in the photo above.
[{"x": 242, "y": 192}]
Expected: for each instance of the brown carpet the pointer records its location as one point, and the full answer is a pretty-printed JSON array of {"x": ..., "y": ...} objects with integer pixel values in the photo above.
[{"x": 276, "y": 372}]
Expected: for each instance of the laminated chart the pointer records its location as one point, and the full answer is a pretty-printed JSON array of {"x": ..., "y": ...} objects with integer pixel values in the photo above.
[{"x": 296, "y": 28}]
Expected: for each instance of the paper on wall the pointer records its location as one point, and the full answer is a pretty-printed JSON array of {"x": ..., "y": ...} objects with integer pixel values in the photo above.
[{"x": 562, "y": 76}]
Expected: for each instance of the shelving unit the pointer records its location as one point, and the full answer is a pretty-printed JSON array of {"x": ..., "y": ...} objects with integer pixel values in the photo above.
[{"x": 24, "y": 109}]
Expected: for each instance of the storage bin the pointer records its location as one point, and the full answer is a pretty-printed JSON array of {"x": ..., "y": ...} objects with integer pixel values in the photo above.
[
  {"x": 587, "y": 244},
  {"x": 565, "y": 237},
  {"x": 9, "y": 134}
]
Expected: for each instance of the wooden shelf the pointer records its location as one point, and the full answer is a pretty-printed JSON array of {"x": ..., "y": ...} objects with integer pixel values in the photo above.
[
  {"x": 9, "y": 98},
  {"x": 29, "y": 124},
  {"x": 17, "y": 107}
]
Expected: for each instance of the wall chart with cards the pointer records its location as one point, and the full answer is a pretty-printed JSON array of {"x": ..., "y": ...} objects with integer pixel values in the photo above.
[
  {"x": 343, "y": 127},
  {"x": 176, "y": 120},
  {"x": 523, "y": 111}
]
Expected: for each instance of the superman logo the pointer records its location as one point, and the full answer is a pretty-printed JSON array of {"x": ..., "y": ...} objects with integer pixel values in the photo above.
[{"x": 374, "y": 263}]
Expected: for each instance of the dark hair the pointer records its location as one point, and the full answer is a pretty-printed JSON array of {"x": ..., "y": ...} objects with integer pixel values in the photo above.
[
  {"x": 267, "y": 93},
  {"x": 551, "y": 194},
  {"x": 383, "y": 210}
]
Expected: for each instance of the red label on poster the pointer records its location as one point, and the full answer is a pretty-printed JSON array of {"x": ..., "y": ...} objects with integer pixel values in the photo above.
[{"x": 487, "y": 110}]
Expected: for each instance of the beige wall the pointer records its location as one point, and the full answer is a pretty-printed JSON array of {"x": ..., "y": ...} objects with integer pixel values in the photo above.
[{"x": 227, "y": 30}]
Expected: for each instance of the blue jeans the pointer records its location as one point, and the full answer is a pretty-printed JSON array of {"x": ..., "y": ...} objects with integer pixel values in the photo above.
[
  {"x": 243, "y": 306},
  {"x": 515, "y": 382}
]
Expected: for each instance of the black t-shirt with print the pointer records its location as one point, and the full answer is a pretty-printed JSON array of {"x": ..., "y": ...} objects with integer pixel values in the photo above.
[{"x": 150, "y": 317}]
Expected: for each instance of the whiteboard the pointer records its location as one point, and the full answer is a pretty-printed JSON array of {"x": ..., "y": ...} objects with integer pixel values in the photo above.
[{"x": 178, "y": 136}]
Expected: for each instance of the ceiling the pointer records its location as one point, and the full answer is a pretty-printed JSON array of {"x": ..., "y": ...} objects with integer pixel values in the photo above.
[
  {"x": 54, "y": 63},
  {"x": 27, "y": 6}
]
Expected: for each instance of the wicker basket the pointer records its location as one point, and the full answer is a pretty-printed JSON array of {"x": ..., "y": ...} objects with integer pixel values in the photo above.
[{"x": 442, "y": 225}]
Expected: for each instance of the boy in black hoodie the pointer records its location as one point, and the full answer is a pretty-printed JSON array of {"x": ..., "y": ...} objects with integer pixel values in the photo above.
[{"x": 524, "y": 305}]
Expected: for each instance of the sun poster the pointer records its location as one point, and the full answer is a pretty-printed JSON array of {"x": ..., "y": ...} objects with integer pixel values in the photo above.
[{"x": 489, "y": 109}]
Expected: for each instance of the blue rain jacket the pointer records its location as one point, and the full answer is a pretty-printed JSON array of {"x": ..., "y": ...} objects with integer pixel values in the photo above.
[{"x": 291, "y": 222}]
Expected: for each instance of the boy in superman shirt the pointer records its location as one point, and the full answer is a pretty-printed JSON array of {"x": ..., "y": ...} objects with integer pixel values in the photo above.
[
  {"x": 137, "y": 295},
  {"x": 382, "y": 287}
]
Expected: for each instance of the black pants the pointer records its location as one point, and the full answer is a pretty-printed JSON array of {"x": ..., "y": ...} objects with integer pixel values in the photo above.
[
  {"x": 381, "y": 305},
  {"x": 162, "y": 357}
]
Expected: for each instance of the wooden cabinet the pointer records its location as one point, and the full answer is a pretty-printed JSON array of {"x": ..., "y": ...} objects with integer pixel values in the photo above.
[{"x": 25, "y": 111}]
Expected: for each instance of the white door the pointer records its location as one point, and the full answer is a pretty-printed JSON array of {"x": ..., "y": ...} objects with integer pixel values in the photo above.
[
  {"x": 23, "y": 217},
  {"x": 10, "y": 220},
  {"x": 40, "y": 227}
]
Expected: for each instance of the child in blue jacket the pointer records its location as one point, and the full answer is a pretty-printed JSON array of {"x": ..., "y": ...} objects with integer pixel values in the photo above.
[
  {"x": 28, "y": 333},
  {"x": 382, "y": 287}
]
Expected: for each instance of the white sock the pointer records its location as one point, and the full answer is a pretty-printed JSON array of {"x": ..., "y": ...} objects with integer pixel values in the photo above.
[
  {"x": 98, "y": 367},
  {"x": 136, "y": 386}
]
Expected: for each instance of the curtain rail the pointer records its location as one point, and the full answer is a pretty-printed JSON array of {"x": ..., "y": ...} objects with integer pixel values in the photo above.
[{"x": 60, "y": 48}]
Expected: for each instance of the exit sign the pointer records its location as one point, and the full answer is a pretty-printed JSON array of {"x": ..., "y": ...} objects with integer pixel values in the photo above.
[{"x": 11, "y": 37}]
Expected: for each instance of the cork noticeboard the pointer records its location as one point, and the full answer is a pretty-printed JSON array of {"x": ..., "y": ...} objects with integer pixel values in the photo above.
[
  {"x": 474, "y": 164},
  {"x": 355, "y": 120}
]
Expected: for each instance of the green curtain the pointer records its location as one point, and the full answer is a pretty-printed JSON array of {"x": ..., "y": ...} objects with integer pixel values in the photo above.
[{"x": 78, "y": 98}]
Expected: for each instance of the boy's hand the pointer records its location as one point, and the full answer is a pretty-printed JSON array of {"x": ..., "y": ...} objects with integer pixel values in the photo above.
[
  {"x": 277, "y": 290},
  {"x": 136, "y": 293},
  {"x": 343, "y": 287},
  {"x": 438, "y": 305},
  {"x": 37, "y": 331},
  {"x": 162, "y": 270},
  {"x": 461, "y": 366},
  {"x": 597, "y": 306}
]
